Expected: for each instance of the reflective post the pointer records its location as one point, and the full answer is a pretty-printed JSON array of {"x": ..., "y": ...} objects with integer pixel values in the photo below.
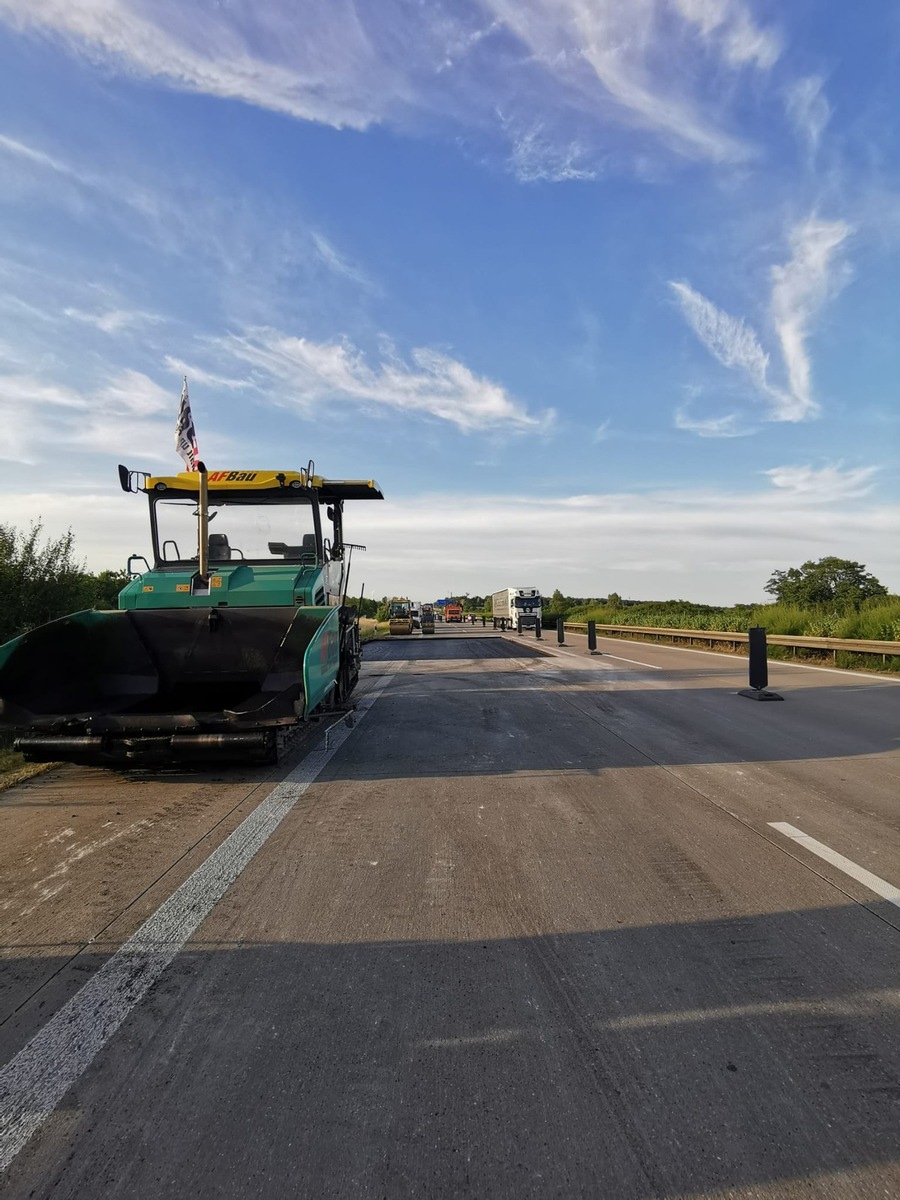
[
  {"x": 759, "y": 661},
  {"x": 592, "y": 637},
  {"x": 537, "y": 629},
  {"x": 560, "y": 631},
  {"x": 759, "y": 667}
]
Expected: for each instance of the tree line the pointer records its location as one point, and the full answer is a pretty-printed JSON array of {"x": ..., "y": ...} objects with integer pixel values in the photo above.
[{"x": 836, "y": 584}]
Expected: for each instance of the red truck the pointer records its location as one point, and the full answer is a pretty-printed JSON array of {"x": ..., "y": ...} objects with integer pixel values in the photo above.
[{"x": 453, "y": 612}]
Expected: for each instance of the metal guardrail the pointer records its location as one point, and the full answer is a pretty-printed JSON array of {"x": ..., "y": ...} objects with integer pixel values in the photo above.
[{"x": 729, "y": 637}]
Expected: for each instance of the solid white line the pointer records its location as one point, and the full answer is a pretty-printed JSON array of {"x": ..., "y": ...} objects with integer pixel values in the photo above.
[
  {"x": 34, "y": 1082},
  {"x": 872, "y": 676},
  {"x": 880, "y": 886},
  {"x": 618, "y": 658},
  {"x": 571, "y": 652}
]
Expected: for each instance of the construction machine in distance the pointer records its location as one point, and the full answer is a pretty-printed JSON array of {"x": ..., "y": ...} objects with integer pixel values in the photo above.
[
  {"x": 401, "y": 620},
  {"x": 228, "y": 639},
  {"x": 453, "y": 612},
  {"x": 426, "y": 618}
]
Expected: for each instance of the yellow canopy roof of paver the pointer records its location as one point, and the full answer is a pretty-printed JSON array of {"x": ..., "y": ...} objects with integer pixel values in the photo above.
[{"x": 273, "y": 486}]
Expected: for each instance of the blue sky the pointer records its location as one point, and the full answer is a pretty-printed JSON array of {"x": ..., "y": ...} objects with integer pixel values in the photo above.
[{"x": 604, "y": 295}]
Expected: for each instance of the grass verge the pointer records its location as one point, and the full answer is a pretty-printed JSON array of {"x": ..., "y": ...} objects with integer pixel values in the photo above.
[
  {"x": 13, "y": 767},
  {"x": 369, "y": 629}
]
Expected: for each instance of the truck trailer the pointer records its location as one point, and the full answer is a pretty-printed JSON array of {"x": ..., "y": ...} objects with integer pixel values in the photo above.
[{"x": 521, "y": 607}]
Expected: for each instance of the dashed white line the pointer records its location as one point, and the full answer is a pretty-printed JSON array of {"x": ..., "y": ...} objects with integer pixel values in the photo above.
[
  {"x": 874, "y": 883},
  {"x": 34, "y": 1082}
]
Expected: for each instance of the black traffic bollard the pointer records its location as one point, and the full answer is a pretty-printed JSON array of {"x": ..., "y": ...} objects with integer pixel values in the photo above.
[
  {"x": 560, "y": 631},
  {"x": 592, "y": 637},
  {"x": 537, "y": 629},
  {"x": 759, "y": 662},
  {"x": 759, "y": 667}
]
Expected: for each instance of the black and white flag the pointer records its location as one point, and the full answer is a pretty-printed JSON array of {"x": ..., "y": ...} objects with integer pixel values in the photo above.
[{"x": 185, "y": 435}]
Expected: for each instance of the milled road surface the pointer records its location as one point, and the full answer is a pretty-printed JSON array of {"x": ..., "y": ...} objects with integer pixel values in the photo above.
[{"x": 539, "y": 924}]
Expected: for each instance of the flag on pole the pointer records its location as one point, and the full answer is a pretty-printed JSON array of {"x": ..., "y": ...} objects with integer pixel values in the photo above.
[{"x": 185, "y": 435}]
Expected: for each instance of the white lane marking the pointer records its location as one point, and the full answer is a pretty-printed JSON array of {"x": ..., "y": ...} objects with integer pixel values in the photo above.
[
  {"x": 872, "y": 676},
  {"x": 880, "y": 886},
  {"x": 618, "y": 658},
  {"x": 34, "y": 1082},
  {"x": 571, "y": 652}
]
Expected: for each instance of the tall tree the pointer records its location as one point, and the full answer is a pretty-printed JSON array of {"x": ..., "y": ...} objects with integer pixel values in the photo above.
[
  {"x": 838, "y": 582},
  {"x": 558, "y": 605}
]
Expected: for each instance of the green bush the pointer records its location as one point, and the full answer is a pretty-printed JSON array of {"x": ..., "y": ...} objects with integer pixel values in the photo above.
[
  {"x": 878, "y": 619},
  {"x": 39, "y": 580}
]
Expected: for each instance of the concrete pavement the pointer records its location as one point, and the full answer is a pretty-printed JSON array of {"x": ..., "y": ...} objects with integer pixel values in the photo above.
[{"x": 528, "y": 930}]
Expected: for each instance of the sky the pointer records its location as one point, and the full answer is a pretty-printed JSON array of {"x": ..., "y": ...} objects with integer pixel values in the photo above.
[{"x": 605, "y": 296}]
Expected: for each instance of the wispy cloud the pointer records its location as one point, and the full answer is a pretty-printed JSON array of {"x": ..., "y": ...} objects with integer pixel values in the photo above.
[
  {"x": 337, "y": 262},
  {"x": 181, "y": 367},
  {"x": 113, "y": 320},
  {"x": 729, "y": 25},
  {"x": 808, "y": 110},
  {"x": 618, "y": 58},
  {"x": 324, "y": 68},
  {"x": 648, "y": 64},
  {"x": 725, "y": 337},
  {"x": 21, "y": 150},
  {"x": 537, "y": 158},
  {"x": 258, "y": 247},
  {"x": 121, "y": 415},
  {"x": 827, "y": 483},
  {"x": 431, "y": 384},
  {"x": 800, "y": 287},
  {"x": 729, "y": 425}
]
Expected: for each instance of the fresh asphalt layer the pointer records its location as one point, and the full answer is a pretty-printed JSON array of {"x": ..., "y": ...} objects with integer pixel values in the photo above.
[{"x": 532, "y": 923}]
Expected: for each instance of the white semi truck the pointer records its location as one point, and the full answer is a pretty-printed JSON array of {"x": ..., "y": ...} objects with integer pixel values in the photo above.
[{"x": 521, "y": 607}]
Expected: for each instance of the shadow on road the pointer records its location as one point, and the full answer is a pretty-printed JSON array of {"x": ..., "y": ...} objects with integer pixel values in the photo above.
[
  {"x": 667, "y": 1061},
  {"x": 509, "y": 721}
]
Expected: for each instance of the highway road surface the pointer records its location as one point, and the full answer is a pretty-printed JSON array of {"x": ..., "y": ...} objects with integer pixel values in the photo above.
[{"x": 532, "y": 924}]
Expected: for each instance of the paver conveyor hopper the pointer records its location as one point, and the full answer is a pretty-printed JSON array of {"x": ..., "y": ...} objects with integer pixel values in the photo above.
[{"x": 238, "y": 630}]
